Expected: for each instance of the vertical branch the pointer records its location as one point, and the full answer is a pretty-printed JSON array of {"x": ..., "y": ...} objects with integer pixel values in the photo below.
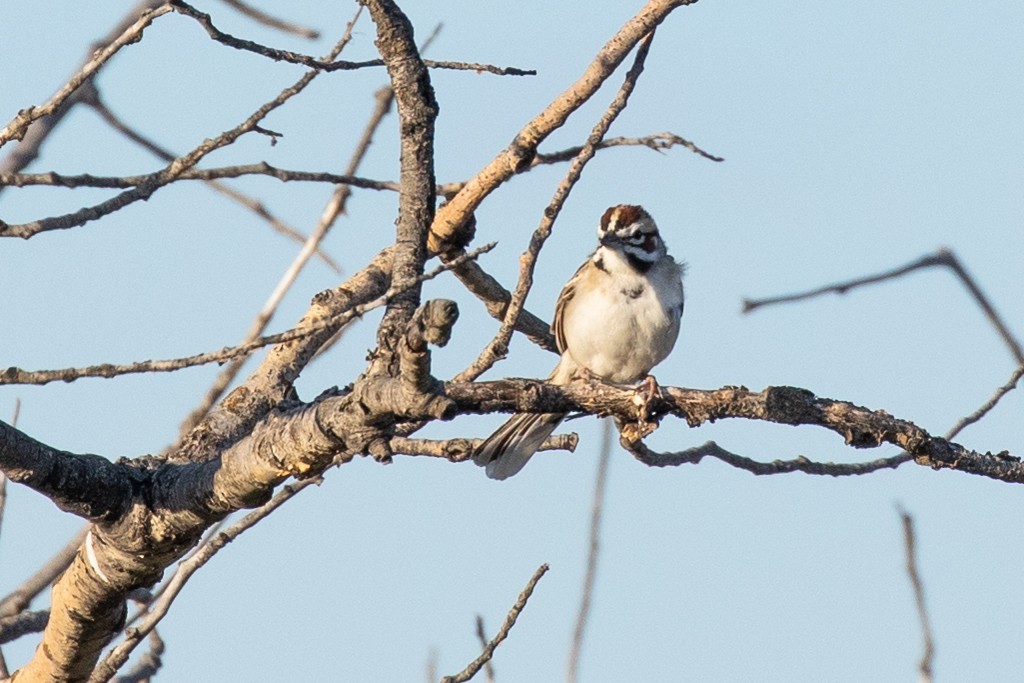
[
  {"x": 596, "y": 512},
  {"x": 925, "y": 666},
  {"x": 417, "y": 111}
]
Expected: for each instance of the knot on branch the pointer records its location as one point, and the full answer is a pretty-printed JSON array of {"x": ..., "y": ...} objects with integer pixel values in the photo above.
[
  {"x": 791, "y": 405},
  {"x": 451, "y": 239}
]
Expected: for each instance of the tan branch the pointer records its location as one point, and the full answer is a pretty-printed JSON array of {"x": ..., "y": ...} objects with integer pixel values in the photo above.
[
  {"x": 498, "y": 347},
  {"x": 520, "y": 153}
]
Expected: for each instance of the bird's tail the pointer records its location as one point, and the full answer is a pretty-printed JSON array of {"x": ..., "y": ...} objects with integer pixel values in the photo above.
[{"x": 507, "y": 450}]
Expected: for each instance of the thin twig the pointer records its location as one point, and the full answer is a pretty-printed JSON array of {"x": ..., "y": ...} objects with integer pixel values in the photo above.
[
  {"x": 510, "y": 620},
  {"x": 15, "y": 375},
  {"x": 1010, "y": 385},
  {"x": 943, "y": 257},
  {"x": 216, "y": 34},
  {"x": 596, "y": 512},
  {"x": 164, "y": 177},
  {"x": 928, "y": 654},
  {"x": 245, "y": 200},
  {"x": 658, "y": 142},
  {"x": 27, "y": 149},
  {"x": 273, "y": 22},
  {"x": 311, "y": 245},
  {"x": 694, "y": 455},
  {"x": 482, "y": 637},
  {"x": 18, "y": 125},
  {"x": 204, "y": 174},
  {"x": 149, "y": 663}
]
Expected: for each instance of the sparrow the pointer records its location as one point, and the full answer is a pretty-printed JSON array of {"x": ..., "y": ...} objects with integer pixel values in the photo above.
[{"x": 616, "y": 318}]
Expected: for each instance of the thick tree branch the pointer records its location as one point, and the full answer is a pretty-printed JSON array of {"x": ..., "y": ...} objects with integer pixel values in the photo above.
[
  {"x": 417, "y": 111},
  {"x": 859, "y": 427},
  {"x": 89, "y": 486}
]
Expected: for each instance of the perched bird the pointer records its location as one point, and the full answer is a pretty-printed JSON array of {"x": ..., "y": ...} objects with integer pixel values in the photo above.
[{"x": 616, "y": 318}]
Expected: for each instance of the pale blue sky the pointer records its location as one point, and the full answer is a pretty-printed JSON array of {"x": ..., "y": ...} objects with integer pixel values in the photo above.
[{"x": 857, "y": 137}]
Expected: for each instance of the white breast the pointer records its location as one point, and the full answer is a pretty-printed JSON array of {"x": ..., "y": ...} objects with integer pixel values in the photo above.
[{"x": 621, "y": 323}]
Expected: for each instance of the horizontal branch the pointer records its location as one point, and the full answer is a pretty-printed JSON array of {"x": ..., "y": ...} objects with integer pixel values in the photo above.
[
  {"x": 657, "y": 142},
  {"x": 83, "y": 484},
  {"x": 277, "y": 55},
  {"x": 14, "y": 375},
  {"x": 859, "y": 427}
]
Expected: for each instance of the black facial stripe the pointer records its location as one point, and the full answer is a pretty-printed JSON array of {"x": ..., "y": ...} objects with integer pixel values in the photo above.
[{"x": 639, "y": 264}]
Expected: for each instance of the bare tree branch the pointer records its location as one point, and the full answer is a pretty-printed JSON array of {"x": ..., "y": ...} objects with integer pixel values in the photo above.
[
  {"x": 27, "y": 149},
  {"x": 156, "y": 611},
  {"x": 216, "y": 34},
  {"x": 164, "y": 177},
  {"x": 981, "y": 412},
  {"x": 16, "y": 128},
  {"x": 596, "y": 512},
  {"x": 928, "y": 655},
  {"x": 245, "y": 200},
  {"x": 273, "y": 22},
  {"x": 311, "y": 245},
  {"x": 14, "y": 375},
  {"x": 520, "y": 153},
  {"x": 944, "y": 257},
  {"x": 658, "y": 142},
  {"x": 498, "y": 347},
  {"x": 417, "y": 111},
  {"x": 510, "y": 620},
  {"x": 859, "y": 427}
]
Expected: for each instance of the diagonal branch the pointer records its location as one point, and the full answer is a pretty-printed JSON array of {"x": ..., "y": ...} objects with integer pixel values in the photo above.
[
  {"x": 271, "y": 21},
  {"x": 520, "y": 153},
  {"x": 89, "y": 486},
  {"x": 168, "y": 175},
  {"x": 18, "y": 125},
  {"x": 510, "y": 620},
  {"x": 498, "y": 347}
]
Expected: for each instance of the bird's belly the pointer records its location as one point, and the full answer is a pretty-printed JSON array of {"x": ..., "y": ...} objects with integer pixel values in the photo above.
[{"x": 621, "y": 339}]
